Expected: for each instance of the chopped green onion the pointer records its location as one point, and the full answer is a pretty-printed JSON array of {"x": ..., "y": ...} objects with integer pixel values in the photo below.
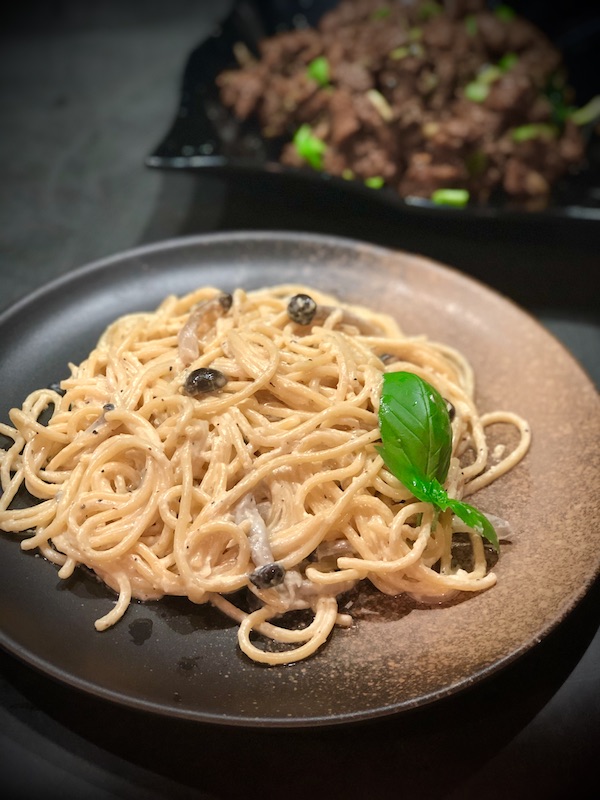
[
  {"x": 309, "y": 147},
  {"x": 376, "y": 182},
  {"x": 489, "y": 74},
  {"x": 381, "y": 13},
  {"x": 508, "y": 61},
  {"x": 450, "y": 197},
  {"x": 398, "y": 53},
  {"x": 381, "y": 105},
  {"x": 414, "y": 34},
  {"x": 471, "y": 24},
  {"x": 505, "y": 13},
  {"x": 348, "y": 175},
  {"x": 318, "y": 70},
  {"x": 429, "y": 10},
  {"x": 587, "y": 113},
  {"x": 534, "y": 130},
  {"x": 476, "y": 92}
]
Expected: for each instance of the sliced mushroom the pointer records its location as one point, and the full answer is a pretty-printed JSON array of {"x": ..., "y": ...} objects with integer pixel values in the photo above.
[
  {"x": 199, "y": 321},
  {"x": 258, "y": 536}
]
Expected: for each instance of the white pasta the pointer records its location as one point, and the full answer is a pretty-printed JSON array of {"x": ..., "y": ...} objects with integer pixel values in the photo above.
[{"x": 267, "y": 481}]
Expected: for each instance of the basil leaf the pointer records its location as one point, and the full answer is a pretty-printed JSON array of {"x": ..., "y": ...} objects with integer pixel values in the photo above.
[
  {"x": 413, "y": 416},
  {"x": 476, "y": 520},
  {"x": 429, "y": 490},
  {"x": 417, "y": 442}
]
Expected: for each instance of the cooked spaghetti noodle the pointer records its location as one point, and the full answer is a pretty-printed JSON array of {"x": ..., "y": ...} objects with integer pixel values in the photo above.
[{"x": 217, "y": 445}]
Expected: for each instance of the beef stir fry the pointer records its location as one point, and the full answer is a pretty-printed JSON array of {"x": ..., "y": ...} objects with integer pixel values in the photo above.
[{"x": 448, "y": 102}]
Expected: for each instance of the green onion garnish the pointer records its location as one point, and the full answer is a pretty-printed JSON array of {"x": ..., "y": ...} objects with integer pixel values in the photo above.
[
  {"x": 309, "y": 147},
  {"x": 376, "y": 182},
  {"x": 476, "y": 92},
  {"x": 450, "y": 197},
  {"x": 318, "y": 70},
  {"x": 489, "y": 74},
  {"x": 587, "y": 113},
  {"x": 398, "y": 53},
  {"x": 534, "y": 130}
]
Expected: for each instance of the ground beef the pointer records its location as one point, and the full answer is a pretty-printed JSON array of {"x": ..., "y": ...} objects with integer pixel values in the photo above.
[{"x": 417, "y": 96}]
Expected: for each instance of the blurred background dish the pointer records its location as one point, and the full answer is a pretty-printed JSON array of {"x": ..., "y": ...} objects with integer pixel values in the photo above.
[{"x": 214, "y": 127}]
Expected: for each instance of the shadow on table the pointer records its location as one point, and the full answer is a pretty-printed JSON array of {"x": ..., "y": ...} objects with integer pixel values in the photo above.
[{"x": 444, "y": 750}]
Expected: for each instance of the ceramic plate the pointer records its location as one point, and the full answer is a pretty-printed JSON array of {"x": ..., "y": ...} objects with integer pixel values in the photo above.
[{"x": 174, "y": 658}]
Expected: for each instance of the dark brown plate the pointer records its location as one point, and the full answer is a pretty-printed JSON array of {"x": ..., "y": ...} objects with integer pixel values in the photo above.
[{"x": 173, "y": 658}]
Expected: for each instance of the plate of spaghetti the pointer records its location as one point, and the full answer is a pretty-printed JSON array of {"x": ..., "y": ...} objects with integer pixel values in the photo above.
[{"x": 287, "y": 480}]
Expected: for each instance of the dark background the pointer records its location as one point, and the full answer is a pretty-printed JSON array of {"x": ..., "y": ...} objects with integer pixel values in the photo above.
[{"x": 87, "y": 90}]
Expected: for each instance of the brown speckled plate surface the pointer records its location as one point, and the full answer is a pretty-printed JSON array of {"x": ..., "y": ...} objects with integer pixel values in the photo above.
[{"x": 177, "y": 659}]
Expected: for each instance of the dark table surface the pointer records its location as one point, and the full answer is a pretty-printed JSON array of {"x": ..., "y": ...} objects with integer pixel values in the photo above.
[{"x": 87, "y": 92}]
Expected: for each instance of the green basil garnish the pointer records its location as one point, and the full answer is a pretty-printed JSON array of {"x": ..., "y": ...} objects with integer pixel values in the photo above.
[
  {"x": 415, "y": 425},
  {"x": 416, "y": 438}
]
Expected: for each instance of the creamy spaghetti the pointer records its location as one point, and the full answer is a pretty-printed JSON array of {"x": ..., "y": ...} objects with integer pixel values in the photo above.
[{"x": 223, "y": 448}]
